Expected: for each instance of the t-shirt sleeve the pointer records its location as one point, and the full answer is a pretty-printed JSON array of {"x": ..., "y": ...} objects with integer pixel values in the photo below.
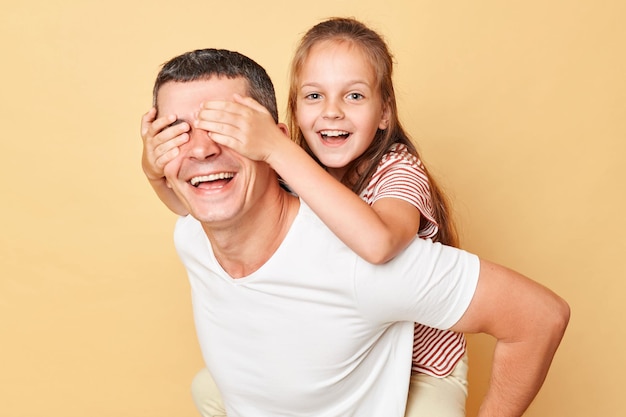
[
  {"x": 428, "y": 283},
  {"x": 401, "y": 175}
]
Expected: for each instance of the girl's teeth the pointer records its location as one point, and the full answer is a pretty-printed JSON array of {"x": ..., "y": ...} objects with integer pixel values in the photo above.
[{"x": 334, "y": 133}]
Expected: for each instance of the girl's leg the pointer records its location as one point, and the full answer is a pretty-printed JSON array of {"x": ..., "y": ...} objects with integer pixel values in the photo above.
[
  {"x": 206, "y": 396},
  {"x": 441, "y": 397}
]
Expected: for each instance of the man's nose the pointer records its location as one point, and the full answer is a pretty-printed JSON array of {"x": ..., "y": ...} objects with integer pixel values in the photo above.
[{"x": 202, "y": 146}]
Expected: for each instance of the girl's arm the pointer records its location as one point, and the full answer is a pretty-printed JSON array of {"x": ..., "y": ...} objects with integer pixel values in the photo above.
[
  {"x": 161, "y": 139},
  {"x": 375, "y": 233}
]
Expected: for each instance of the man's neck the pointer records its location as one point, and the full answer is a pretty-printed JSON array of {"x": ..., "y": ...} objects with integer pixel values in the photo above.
[{"x": 243, "y": 248}]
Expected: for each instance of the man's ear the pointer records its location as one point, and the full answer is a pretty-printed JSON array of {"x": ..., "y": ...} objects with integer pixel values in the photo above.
[
  {"x": 384, "y": 119},
  {"x": 283, "y": 128}
]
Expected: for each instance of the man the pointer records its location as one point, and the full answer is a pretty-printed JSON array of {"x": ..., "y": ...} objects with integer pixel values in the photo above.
[{"x": 290, "y": 321}]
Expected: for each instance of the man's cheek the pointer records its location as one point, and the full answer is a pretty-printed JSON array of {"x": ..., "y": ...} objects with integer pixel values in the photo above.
[{"x": 170, "y": 171}]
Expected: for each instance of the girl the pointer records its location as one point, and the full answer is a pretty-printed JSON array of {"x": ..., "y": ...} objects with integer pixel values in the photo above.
[{"x": 342, "y": 113}]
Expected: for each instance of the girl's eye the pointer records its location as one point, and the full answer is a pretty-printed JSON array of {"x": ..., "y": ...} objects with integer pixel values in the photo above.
[
  {"x": 355, "y": 96},
  {"x": 312, "y": 96}
]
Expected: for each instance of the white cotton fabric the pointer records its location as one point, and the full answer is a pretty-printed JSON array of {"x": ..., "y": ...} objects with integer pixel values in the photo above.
[
  {"x": 402, "y": 175},
  {"x": 317, "y": 331}
]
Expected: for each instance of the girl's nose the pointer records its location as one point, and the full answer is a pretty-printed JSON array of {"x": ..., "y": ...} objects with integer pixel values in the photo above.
[{"x": 332, "y": 110}]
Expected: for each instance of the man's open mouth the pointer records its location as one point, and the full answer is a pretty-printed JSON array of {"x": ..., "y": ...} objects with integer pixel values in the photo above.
[{"x": 212, "y": 178}]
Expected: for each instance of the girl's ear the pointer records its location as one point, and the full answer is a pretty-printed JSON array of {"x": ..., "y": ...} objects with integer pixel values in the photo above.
[{"x": 384, "y": 119}]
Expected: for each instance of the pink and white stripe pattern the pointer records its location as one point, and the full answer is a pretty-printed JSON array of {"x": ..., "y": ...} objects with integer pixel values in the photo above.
[{"x": 400, "y": 174}]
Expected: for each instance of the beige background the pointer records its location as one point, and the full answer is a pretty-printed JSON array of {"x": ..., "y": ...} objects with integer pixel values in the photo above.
[{"x": 519, "y": 108}]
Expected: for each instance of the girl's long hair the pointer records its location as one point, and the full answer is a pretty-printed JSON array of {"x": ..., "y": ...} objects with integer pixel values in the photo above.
[{"x": 360, "y": 171}]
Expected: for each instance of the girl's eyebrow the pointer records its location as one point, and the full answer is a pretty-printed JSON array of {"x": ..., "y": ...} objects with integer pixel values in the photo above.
[
  {"x": 350, "y": 84},
  {"x": 310, "y": 84}
]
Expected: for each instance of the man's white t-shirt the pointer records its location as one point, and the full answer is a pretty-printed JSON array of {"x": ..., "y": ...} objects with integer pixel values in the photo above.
[{"x": 317, "y": 331}]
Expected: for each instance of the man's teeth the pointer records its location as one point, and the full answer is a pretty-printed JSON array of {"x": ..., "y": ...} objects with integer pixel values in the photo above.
[
  {"x": 334, "y": 133},
  {"x": 213, "y": 177}
]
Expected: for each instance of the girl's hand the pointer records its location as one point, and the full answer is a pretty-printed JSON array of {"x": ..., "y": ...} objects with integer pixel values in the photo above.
[
  {"x": 243, "y": 125},
  {"x": 161, "y": 139}
]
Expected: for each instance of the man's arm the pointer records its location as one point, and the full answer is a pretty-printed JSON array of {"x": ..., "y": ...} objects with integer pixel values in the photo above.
[{"x": 528, "y": 321}]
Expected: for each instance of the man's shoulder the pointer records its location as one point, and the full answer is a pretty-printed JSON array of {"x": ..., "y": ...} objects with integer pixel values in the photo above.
[
  {"x": 186, "y": 223},
  {"x": 309, "y": 233},
  {"x": 187, "y": 231},
  {"x": 307, "y": 215}
]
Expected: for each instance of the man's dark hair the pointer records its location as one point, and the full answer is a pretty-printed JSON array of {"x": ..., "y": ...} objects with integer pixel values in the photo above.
[{"x": 203, "y": 64}]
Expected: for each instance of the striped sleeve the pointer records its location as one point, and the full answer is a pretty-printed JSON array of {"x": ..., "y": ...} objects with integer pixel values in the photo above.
[{"x": 401, "y": 175}]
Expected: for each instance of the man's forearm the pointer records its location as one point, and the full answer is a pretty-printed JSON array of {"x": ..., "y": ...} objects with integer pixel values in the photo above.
[
  {"x": 520, "y": 368},
  {"x": 529, "y": 321}
]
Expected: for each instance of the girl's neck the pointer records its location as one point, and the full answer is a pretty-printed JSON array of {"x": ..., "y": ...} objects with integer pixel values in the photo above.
[{"x": 337, "y": 173}]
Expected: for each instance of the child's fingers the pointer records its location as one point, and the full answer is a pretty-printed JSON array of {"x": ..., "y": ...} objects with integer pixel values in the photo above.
[
  {"x": 174, "y": 131},
  {"x": 241, "y": 106},
  {"x": 161, "y": 123},
  {"x": 218, "y": 115},
  {"x": 150, "y": 115},
  {"x": 167, "y": 157},
  {"x": 146, "y": 121},
  {"x": 157, "y": 137},
  {"x": 216, "y": 121},
  {"x": 228, "y": 111},
  {"x": 250, "y": 102},
  {"x": 223, "y": 139},
  {"x": 166, "y": 146}
]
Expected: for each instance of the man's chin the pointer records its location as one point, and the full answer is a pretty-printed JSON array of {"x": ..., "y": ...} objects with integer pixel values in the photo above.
[{"x": 213, "y": 214}]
